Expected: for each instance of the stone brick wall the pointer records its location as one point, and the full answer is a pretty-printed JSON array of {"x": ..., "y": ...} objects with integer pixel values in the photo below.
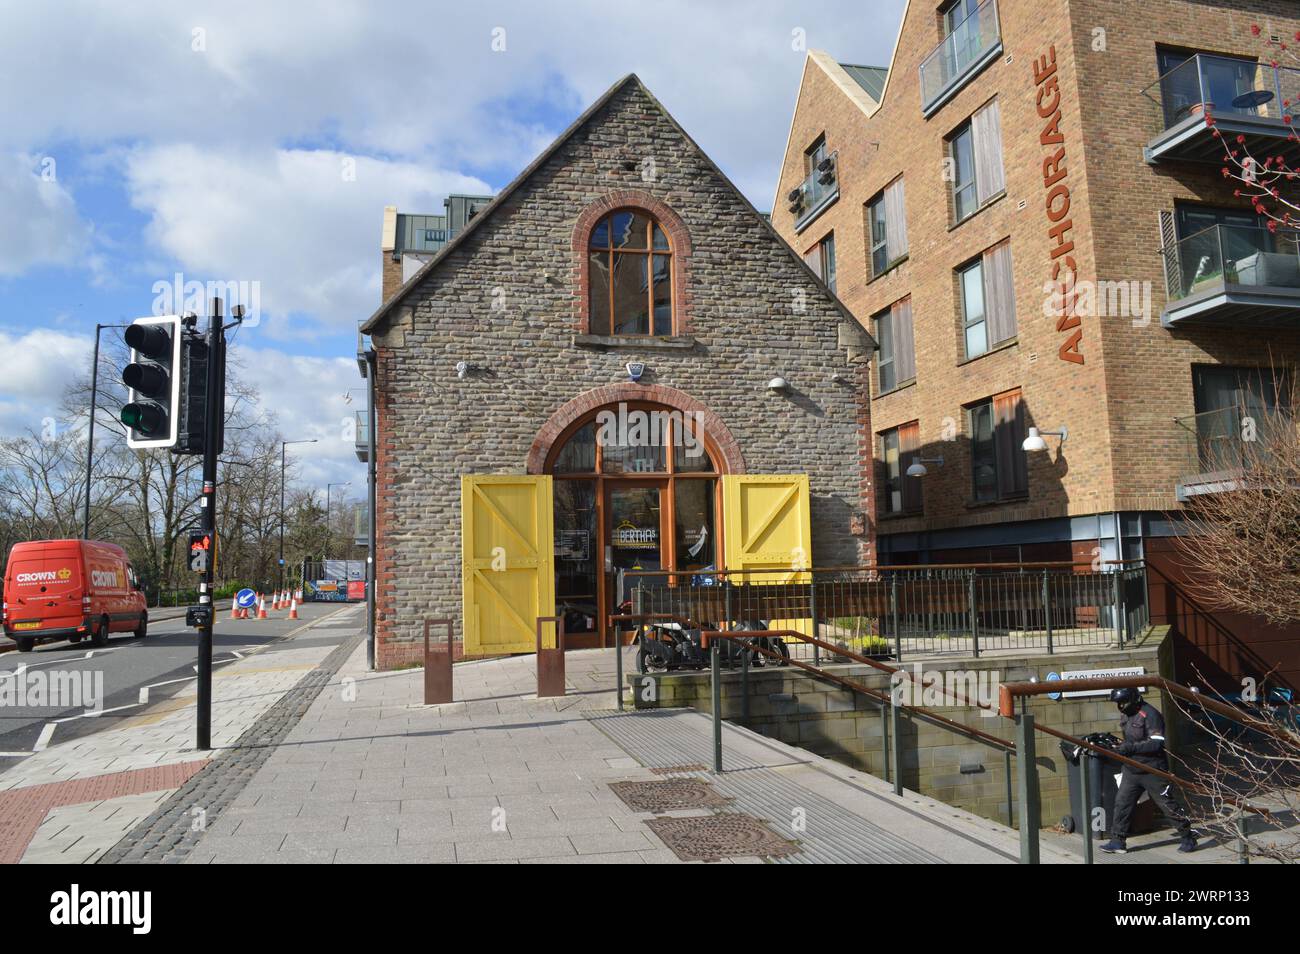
[
  {"x": 1124, "y": 451},
  {"x": 505, "y": 301},
  {"x": 846, "y": 726}
]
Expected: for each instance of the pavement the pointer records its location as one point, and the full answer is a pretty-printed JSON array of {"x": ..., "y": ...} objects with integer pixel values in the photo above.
[
  {"x": 74, "y": 797},
  {"x": 370, "y": 774}
]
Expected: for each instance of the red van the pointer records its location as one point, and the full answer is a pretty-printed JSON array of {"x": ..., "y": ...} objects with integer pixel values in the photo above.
[{"x": 70, "y": 589}]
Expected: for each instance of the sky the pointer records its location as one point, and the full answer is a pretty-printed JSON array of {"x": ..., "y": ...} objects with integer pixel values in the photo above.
[{"x": 153, "y": 144}]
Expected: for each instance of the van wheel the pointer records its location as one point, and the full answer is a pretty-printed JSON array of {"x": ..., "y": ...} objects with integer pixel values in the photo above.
[
  {"x": 101, "y": 634},
  {"x": 142, "y": 630},
  {"x": 75, "y": 638},
  {"x": 25, "y": 644}
]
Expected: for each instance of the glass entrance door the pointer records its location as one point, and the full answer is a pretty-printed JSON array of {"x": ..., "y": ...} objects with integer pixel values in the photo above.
[{"x": 636, "y": 527}]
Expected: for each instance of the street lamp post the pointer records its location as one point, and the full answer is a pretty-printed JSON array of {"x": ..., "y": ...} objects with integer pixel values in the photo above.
[
  {"x": 90, "y": 436},
  {"x": 283, "y": 445},
  {"x": 346, "y": 483}
]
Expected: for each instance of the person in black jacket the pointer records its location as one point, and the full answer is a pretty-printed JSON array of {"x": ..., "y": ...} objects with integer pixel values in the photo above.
[{"x": 1143, "y": 728}]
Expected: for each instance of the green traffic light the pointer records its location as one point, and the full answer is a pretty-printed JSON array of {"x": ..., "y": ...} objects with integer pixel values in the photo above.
[{"x": 146, "y": 418}]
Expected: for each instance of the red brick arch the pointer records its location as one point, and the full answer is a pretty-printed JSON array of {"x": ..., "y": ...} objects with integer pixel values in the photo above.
[
  {"x": 678, "y": 236},
  {"x": 720, "y": 439}
]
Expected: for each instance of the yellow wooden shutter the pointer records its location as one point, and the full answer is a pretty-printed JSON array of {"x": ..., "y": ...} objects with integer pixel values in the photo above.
[
  {"x": 507, "y": 561},
  {"x": 768, "y": 527}
]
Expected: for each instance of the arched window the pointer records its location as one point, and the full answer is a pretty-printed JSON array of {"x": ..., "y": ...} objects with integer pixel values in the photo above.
[{"x": 631, "y": 272}]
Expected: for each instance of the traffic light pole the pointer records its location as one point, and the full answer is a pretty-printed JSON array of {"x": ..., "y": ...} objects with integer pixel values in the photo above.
[{"x": 213, "y": 413}]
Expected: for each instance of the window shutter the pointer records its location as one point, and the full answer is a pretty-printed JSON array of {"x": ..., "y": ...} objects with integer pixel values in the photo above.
[
  {"x": 895, "y": 221},
  {"x": 999, "y": 294},
  {"x": 909, "y": 446},
  {"x": 1169, "y": 250},
  {"x": 986, "y": 129},
  {"x": 904, "y": 346},
  {"x": 1008, "y": 436}
]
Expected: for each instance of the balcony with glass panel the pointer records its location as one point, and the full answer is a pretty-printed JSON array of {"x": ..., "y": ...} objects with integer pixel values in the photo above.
[
  {"x": 1221, "y": 448},
  {"x": 1233, "y": 274},
  {"x": 973, "y": 43},
  {"x": 362, "y": 428},
  {"x": 1245, "y": 98},
  {"x": 816, "y": 193}
]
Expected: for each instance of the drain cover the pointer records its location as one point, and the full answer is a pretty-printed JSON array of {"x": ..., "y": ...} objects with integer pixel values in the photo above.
[
  {"x": 711, "y": 837},
  {"x": 668, "y": 795},
  {"x": 680, "y": 769}
]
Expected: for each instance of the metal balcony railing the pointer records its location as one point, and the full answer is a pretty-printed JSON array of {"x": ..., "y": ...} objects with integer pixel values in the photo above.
[
  {"x": 1227, "y": 442},
  {"x": 1225, "y": 86},
  {"x": 818, "y": 190},
  {"x": 970, "y": 45},
  {"x": 1223, "y": 255}
]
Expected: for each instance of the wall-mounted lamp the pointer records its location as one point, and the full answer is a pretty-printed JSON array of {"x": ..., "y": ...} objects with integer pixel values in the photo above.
[
  {"x": 1035, "y": 442},
  {"x": 918, "y": 468},
  {"x": 778, "y": 383}
]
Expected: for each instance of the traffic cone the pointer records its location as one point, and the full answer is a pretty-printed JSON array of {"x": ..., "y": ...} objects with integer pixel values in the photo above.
[
  {"x": 261, "y": 609},
  {"x": 234, "y": 610},
  {"x": 293, "y": 609}
]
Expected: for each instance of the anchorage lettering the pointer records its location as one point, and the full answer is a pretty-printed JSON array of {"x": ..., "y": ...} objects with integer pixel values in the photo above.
[
  {"x": 1057, "y": 203},
  {"x": 636, "y": 428},
  {"x": 103, "y": 907}
]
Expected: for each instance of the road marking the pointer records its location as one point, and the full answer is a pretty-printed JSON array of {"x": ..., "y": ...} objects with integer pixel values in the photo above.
[
  {"x": 47, "y": 733},
  {"x": 144, "y": 695},
  {"x": 14, "y": 755}
]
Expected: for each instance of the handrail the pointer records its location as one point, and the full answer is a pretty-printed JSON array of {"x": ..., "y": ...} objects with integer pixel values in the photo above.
[{"x": 1060, "y": 564}]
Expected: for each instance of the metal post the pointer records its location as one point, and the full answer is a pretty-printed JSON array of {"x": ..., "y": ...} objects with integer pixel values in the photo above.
[
  {"x": 896, "y": 753},
  {"x": 1011, "y": 817},
  {"x": 884, "y": 740},
  {"x": 280, "y": 564},
  {"x": 1027, "y": 778},
  {"x": 812, "y": 609},
  {"x": 1085, "y": 797},
  {"x": 1047, "y": 611},
  {"x": 714, "y": 665},
  {"x": 1118, "y": 609},
  {"x": 744, "y": 680},
  {"x": 893, "y": 617},
  {"x": 1243, "y": 848},
  {"x": 618, "y": 665},
  {"x": 212, "y": 420},
  {"x": 372, "y": 561},
  {"x": 90, "y": 435},
  {"x": 974, "y": 619}
]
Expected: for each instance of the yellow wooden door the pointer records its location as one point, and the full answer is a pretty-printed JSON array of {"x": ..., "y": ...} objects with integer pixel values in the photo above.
[
  {"x": 768, "y": 527},
  {"x": 507, "y": 562}
]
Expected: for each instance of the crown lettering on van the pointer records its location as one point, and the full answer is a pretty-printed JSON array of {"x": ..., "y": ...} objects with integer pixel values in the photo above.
[
  {"x": 44, "y": 576},
  {"x": 105, "y": 578}
]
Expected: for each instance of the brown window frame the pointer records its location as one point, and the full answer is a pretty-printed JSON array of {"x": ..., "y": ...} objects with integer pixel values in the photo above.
[{"x": 650, "y": 253}]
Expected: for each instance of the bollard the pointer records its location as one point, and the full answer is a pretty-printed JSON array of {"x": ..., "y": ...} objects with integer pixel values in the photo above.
[
  {"x": 1086, "y": 799},
  {"x": 437, "y": 666},
  {"x": 896, "y": 753},
  {"x": 1027, "y": 778},
  {"x": 550, "y": 662},
  {"x": 715, "y": 666}
]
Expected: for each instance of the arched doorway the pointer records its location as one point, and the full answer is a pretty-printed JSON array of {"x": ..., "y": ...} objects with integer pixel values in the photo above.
[{"x": 636, "y": 488}]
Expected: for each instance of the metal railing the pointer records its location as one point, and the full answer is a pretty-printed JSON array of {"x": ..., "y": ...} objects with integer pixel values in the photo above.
[
  {"x": 1222, "y": 255},
  {"x": 363, "y": 432},
  {"x": 1224, "y": 86},
  {"x": 815, "y": 194},
  {"x": 908, "y": 611},
  {"x": 1231, "y": 440},
  {"x": 960, "y": 54}
]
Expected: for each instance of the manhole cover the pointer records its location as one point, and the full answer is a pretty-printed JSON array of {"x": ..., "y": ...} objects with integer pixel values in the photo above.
[
  {"x": 668, "y": 795},
  {"x": 711, "y": 837},
  {"x": 680, "y": 769}
]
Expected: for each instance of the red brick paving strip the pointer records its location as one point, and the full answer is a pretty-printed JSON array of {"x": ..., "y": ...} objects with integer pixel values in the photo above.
[{"x": 23, "y": 809}]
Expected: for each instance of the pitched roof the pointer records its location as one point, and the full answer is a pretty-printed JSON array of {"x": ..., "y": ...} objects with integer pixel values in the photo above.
[
  {"x": 504, "y": 195},
  {"x": 870, "y": 78}
]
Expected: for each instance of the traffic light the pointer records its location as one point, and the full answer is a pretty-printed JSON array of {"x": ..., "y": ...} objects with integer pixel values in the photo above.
[
  {"x": 194, "y": 395},
  {"x": 153, "y": 379}
]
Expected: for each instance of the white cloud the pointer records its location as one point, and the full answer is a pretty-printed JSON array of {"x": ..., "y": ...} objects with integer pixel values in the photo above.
[
  {"x": 36, "y": 367},
  {"x": 303, "y": 224},
  {"x": 39, "y": 224}
]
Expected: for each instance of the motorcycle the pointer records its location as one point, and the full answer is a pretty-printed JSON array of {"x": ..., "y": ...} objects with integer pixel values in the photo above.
[{"x": 668, "y": 646}]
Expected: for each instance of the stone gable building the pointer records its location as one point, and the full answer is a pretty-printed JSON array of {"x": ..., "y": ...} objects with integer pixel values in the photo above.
[{"x": 620, "y": 279}]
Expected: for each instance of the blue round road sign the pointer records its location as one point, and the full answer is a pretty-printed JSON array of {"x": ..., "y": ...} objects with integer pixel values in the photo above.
[
  {"x": 1053, "y": 677},
  {"x": 245, "y": 599}
]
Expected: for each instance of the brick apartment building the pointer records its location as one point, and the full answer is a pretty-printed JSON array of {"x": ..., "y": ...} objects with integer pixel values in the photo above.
[
  {"x": 620, "y": 272},
  {"x": 1007, "y": 146}
]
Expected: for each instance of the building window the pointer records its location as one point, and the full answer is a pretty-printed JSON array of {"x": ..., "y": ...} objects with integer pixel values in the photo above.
[
  {"x": 631, "y": 268},
  {"x": 821, "y": 259},
  {"x": 1231, "y": 402},
  {"x": 988, "y": 300},
  {"x": 896, "y": 360},
  {"x": 975, "y": 162},
  {"x": 999, "y": 468},
  {"x": 887, "y": 224},
  {"x": 898, "y": 450},
  {"x": 813, "y": 155}
]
